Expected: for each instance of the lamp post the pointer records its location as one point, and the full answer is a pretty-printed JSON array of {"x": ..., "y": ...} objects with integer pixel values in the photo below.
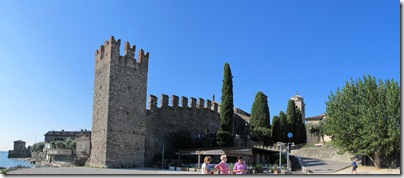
[
  {"x": 238, "y": 140},
  {"x": 290, "y": 135},
  {"x": 280, "y": 144},
  {"x": 162, "y": 157}
]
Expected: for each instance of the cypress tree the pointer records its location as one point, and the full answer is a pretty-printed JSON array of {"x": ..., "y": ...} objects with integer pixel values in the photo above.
[
  {"x": 226, "y": 107},
  {"x": 284, "y": 126},
  {"x": 223, "y": 136},
  {"x": 298, "y": 125},
  {"x": 276, "y": 129},
  {"x": 291, "y": 118},
  {"x": 260, "y": 111}
]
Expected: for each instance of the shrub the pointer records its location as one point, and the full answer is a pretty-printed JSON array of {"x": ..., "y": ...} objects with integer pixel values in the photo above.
[
  {"x": 224, "y": 138},
  {"x": 38, "y": 147}
]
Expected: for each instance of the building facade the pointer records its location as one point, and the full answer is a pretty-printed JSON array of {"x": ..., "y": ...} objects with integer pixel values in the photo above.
[{"x": 62, "y": 135}]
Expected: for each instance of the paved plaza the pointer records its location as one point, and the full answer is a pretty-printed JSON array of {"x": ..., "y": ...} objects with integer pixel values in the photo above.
[
  {"x": 95, "y": 171},
  {"x": 314, "y": 166}
]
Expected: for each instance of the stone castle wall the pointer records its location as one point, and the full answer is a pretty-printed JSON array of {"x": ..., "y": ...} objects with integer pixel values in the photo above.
[
  {"x": 196, "y": 118},
  {"x": 124, "y": 132},
  {"x": 118, "y": 108}
]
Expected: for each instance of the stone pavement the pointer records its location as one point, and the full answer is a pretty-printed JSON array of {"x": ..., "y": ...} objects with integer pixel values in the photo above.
[
  {"x": 93, "y": 171},
  {"x": 318, "y": 166},
  {"x": 369, "y": 170}
]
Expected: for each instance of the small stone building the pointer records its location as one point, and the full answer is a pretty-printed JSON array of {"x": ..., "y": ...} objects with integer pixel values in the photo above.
[{"x": 20, "y": 151}]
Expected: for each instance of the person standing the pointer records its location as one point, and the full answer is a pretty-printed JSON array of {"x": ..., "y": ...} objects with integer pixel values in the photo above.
[
  {"x": 205, "y": 165},
  {"x": 240, "y": 167},
  {"x": 222, "y": 166},
  {"x": 354, "y": 166}
]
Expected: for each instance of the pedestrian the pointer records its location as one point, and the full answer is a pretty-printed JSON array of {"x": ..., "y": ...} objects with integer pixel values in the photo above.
[
  {"x": 222, "y": 166},
  {"x": 205, "y": 165},
  {"x": 240, "y": 167},
  {"x": 354, "y": 166}
]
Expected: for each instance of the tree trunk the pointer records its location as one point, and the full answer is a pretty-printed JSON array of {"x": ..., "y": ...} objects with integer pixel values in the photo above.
[{"x": 376, "y": 160}]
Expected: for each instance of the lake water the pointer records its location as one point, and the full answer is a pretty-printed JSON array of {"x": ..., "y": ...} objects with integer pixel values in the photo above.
[{"x": 10, "y": 162}]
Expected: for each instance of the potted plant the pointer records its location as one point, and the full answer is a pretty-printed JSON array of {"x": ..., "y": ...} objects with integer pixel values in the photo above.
[
  {"x": 259, "y": 168},
  {"x": 275, "y": 168},
  {"x": 283, "y": 169},
  {"x": 252, "y": 169}
]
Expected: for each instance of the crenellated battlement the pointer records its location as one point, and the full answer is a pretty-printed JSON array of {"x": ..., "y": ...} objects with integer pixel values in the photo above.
[
  {"x": 194, "y": 103},
  {"x": 110, "y": 51}
]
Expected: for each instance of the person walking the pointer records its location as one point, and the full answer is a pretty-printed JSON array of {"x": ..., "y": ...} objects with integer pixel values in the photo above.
[
  {"x": 205, "y": 165},
  {"x": 240, "y": 167},
  {"x": 222, "y": 166},
  {"x": 354, "y": 166}
]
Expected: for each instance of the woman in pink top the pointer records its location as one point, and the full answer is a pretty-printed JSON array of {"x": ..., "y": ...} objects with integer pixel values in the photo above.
[
  {"x": 240, "y": 167},
  {"x": 222, "y": 166}
]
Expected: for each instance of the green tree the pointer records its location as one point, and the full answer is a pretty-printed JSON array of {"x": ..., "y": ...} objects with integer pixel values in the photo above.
[
  {"x": 291, "y": 119},
  {"x": 300, "y": 127},
  {"x": 276, "y": 129},
  {"x": 317, "y": 130},
  {"x": 284, "y": 126},
  {"x": 364, "y": 118},
  {"x": 70, "y": 143},
  {"x": 38, "y": 147},
  {"x": 262, "y": 134},
  {"x": 260, "y": 111},
  {"x": 60, "y": 144},
  {"x": 226, "y": 107},
  {"x": 224, "y": 139}
]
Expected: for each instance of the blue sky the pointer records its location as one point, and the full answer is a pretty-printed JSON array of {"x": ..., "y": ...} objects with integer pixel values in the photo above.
[{"x": 278, "y": 47}]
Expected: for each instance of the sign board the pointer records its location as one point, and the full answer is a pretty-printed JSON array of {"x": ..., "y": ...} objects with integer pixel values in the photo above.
[{"x": 290, "y": 135}]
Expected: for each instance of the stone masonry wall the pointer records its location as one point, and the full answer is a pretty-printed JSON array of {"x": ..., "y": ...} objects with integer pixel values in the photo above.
[
  {"x": 118, "y": 110},
  {"x": 166, "y": 119}
]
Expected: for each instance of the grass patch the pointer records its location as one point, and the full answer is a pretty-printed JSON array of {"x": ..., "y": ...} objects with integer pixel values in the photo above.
[
  {"x": 4, "y": 171},
  {"x": 308, "y": 146}
]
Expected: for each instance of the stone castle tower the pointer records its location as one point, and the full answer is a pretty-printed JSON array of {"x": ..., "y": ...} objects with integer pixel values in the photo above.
[
  {"x": 299, "y": 102},
  {"x": 119, "y": 115}
]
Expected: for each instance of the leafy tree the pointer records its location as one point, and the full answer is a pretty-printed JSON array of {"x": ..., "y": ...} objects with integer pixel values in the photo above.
[
  {"x": 226, "y": 107},
  {"x": 38, "y": 147},
  {"x": 317, "y": 130},
  {"x": 224, "y": 139},
  {"x": 53, "y": 144},
  {"x": 276, "y": 129},
  {"x": 260, "y": 111},
  {"x": 364, "y": 118},
  {"x": 262, "y": 134},
  {"x": 60, "y": 144},
  {"x": 284, "y": 126},
  {"x": 70, "y": 143}
]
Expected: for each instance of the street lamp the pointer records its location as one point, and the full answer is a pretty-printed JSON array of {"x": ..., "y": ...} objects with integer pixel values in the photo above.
[{"x": 238, "y": 140}]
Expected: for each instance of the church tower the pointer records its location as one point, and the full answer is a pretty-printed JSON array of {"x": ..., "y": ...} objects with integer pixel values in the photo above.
[
  {"x": 119, "y": 113},
  {"x": 299, "y": 102}
]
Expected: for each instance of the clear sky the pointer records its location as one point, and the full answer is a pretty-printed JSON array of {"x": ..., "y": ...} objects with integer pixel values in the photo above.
[{"x": 278, "y": 47}]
